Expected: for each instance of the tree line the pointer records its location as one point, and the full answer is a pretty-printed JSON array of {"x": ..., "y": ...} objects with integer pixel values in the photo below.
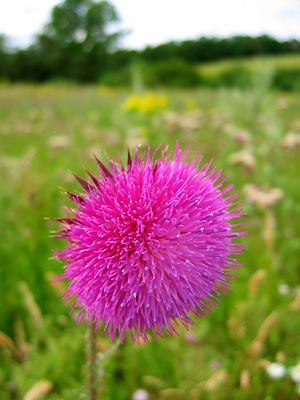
[{"x": 80, "y": 44}]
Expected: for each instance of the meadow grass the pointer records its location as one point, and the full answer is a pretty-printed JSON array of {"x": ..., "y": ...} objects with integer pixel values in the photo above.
[
  {"x": 252, "y": 64},
  {"x": 47, "y": 130}
]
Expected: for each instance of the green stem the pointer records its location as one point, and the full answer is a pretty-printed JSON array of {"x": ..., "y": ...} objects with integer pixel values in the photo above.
[{"x": 91, "y": 363}]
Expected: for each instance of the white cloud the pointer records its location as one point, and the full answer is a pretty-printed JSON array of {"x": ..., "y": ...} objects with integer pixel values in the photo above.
[
  {"x": 21, "y": 20},
  {"x": 161, "y": 20},
  {"x": 156, "y": 21}
]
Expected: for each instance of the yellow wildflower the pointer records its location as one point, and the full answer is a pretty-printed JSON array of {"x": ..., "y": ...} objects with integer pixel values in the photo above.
[{"x": 145, "y": 103}]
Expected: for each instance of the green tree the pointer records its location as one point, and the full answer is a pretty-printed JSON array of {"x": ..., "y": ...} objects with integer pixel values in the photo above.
[
  {"x": 83, "y": 21},
  {"x": 76, "y": 42},
  {"x": 5, "y": 56}
]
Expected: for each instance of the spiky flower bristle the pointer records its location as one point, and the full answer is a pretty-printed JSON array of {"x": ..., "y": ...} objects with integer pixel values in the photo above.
[{"x": 150, "y": 243}]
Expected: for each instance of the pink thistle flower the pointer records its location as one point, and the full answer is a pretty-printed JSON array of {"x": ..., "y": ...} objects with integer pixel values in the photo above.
[{"x": 149, "y": 244}]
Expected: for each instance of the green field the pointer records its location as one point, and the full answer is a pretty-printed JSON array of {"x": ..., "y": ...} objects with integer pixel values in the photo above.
[
  {"x": 282, "y": 71},
  {"x": 285, "y": 61},
  {"x": 45, "y": 131}
]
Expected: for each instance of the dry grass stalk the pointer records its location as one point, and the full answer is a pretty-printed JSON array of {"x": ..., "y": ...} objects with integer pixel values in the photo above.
[
  {"x": 256, "y": 279},
  {"x": 236, "y": 325},
  {"x": 171, "y": 393},
  {"x": 295, "y": 304},
  {"x": 257, "y": 344},
  {"x": 39, "y": 389},
  {"x": 245, "y": 379},
  {"x": 22, "y": 345},
  {"x": 233, "y": 325},
  {"x": 215, "y": 380},
  {"x": 269, "y": 229},
  {"x": 263, "y": 197},
  {"x": 194, "y": 394},
  {"x": 291, "y": 140},
  {"x": 7, "y": 342},
  {"x": 30, "y": 303},
  {"x": 267, "y": 325},
  {"x": 153, "y": 382},
  {"x": 280, "y": 357},
  {"x": 262, "y": 363},
  {"x": 244, "y": 157},
  {"x": 59, "y": 142},
  {"x": 255, "y": 348}
]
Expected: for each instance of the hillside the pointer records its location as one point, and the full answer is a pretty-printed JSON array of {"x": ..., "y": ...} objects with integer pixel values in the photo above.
[{"x": 251, "y": 64}]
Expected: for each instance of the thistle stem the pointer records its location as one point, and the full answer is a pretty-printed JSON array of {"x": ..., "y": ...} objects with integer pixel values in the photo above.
[{"x": 91, "y": 362}]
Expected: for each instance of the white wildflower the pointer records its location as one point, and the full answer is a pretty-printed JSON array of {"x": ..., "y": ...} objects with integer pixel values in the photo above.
[
  {"x": 295, "y": 373},
  {"x": 284, "y": 289},
  {"x": 276, "y": 370}
]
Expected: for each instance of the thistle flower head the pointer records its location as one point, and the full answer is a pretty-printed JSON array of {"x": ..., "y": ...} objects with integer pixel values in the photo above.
[{"x": 149, "y": 244}]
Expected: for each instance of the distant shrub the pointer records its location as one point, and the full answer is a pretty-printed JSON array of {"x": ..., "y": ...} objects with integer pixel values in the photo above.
[
  {"x": 62, "y": 81},
  {"x": 177, "y": 73},
  {"x": 231, "y": 77},
  {"x": 237, "y": 77},
  {"x": 119, "y": 78},
  {"x": 174, "y": 73},
  {"x": 287, "y": 79},
  {"x": 282, "y": 79},
  {"x": 4, "y": 82}
]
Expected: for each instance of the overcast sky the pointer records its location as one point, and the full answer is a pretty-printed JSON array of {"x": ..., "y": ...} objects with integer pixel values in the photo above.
[{"x": 156, "y": 21}]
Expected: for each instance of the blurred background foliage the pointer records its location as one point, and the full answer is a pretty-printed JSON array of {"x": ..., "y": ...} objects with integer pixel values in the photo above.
[
  {"x": 80, "y": 44},
  {"x": 219, "y": 94}
]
